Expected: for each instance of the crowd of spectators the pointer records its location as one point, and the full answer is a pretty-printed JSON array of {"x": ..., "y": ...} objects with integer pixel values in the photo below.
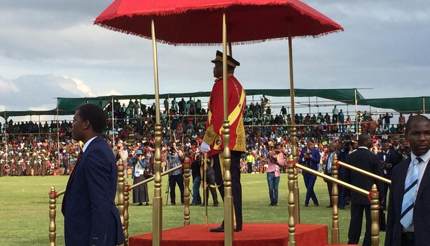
[{"x": 44, "y": 149}]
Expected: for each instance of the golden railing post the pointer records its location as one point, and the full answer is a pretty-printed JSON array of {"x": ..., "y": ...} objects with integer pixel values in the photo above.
[
  {"x": 296, "y": 174},
  {"x": 374, "y": 211},
  {"x": 187, "y": 175},
  {"x": 157, "y": 223},
  {"x": 334, "y": 202},
  {"x": 126, "y": 205},
  {"x": 120, "y": 202},
  {"x": 293, "y": 128},
  {"x": 52, "y": 215},
  {"x": 157, "y": 206},
  {"x": 296, "y": 196},
  {"x": 291, "y": 202},
  {"x": 228, "y": 197}
]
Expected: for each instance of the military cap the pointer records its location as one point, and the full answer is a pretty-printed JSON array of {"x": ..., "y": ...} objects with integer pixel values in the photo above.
[{"x": 230, "y": 60}]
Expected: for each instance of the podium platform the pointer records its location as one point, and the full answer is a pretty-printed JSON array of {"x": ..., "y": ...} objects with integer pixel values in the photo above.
[{"x": 251, "y": 235}]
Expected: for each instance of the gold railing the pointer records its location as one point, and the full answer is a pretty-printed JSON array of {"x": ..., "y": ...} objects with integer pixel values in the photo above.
[
  {"x": 364, "y": 172},
  {"x": 372, "y": 194},
  {"x": 123, "y": 197}
]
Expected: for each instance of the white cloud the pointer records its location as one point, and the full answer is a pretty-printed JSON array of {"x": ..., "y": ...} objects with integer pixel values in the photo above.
[
  {"x": 41, "y": 91},
  {"x": 78, "y": 85}
]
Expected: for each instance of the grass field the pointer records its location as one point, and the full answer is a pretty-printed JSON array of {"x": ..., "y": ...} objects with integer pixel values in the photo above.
[{"x": 24, "y": 209}]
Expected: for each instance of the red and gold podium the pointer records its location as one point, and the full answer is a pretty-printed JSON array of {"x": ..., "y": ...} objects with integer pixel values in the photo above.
[{"x": 252, "y": 235}]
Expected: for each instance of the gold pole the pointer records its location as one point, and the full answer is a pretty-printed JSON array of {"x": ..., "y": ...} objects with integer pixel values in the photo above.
[
  {"x": 228, "y": 198},
  {"x": 296, "y": 197},
  {"x": 157, "y": 223},
  {"x": 293, "y": 126},
  {"x": 291, "y": 203},
  {"x": 126, "y": 216},
  {"x": 52, "y": 215},
  {"x": 329, "y": 178},
  {"x": 334, "y": 202},
  {"x": 120, "y": 192},
  {"x": 364, "y": 172},
  {"x": 374, "y": 210},
  {"x": 186, "y": 191},
  {"x": 152, "y": 178}
]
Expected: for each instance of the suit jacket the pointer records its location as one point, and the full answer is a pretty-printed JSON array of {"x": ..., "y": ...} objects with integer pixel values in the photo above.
[
  {"x": 393, "y": 158},
  {"x": 366, "y": 160},
  {"x": 90, "y": 214},
  {"x": 314, "y": 157},
  {"x": 421, "y": 218}
]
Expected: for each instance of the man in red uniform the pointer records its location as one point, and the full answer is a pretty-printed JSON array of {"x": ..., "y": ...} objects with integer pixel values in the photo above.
[{"x": 213, "y": 143}]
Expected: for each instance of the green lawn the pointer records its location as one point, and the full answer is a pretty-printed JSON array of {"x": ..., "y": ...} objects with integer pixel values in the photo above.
[{"x": 24, "y": 209}]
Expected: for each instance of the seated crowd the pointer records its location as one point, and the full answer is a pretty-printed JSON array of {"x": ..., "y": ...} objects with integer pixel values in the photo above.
[{"x": 33, "y": 148}]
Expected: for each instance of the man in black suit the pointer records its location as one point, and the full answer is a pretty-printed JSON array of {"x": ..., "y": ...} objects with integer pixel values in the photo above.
[
  {"x": 408, "y": 221},
  {"x": 364, "y": 159},
  {"x": 90, "y": 215},
  {"x": 388, "y": 157}
]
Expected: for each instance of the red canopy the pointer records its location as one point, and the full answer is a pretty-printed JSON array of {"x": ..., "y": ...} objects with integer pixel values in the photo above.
[{"x": 199, "y": 21}]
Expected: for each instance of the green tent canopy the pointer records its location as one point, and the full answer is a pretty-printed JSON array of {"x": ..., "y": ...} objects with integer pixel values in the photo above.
[
  {"x": 341, "y": 95},
  {"x": 67, "y": 106},
  {"x": 400, "y": 104}
]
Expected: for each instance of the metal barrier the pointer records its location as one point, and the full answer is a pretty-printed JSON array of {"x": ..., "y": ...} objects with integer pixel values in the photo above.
[
  {"x": 123, "y": 194},
  {"x": 372, "y": 194},
  {"x": 349, "y": 166}
]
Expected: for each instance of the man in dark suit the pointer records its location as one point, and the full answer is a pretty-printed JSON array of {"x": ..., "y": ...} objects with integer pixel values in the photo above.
[
  {"x": 90, "y": 215},
  {"x": 364, "y": 159},
  {"x": 388, "y": 157},
  {"x": 310, "y": 156},
  {"x": 408, "y": 221}
]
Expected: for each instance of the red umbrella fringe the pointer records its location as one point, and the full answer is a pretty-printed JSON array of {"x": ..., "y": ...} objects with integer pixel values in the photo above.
[{"x": 212, "y": 44}]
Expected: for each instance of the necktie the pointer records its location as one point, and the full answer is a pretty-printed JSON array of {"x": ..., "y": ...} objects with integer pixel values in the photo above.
[{"x": 410, "y": 193}]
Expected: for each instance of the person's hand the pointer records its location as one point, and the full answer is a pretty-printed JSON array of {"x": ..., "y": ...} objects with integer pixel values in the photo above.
[{"x": 204, "y": 147}]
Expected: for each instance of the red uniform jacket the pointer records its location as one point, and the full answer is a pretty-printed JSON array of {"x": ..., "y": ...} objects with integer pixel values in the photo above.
[{"x": 236, "y": 106}]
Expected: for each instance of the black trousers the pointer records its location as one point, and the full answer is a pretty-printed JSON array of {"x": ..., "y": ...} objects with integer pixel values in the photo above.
[
  {"x": 214, "y": 195},
  {"x": 235, "y": 183},
  {"x": 355, "y": 224},
  {"x": 173, "y": 180}
]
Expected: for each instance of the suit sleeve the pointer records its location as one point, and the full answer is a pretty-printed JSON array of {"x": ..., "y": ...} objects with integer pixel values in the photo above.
[
  {"x": 97, "y": 175},
  {"x": 377, "y": 169},
  {"x": 302, "y": 157},
  {"x": 347, "y": 170},
  {"x": 390, "y": 222},
  {"x": 316, "y": 157}
]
